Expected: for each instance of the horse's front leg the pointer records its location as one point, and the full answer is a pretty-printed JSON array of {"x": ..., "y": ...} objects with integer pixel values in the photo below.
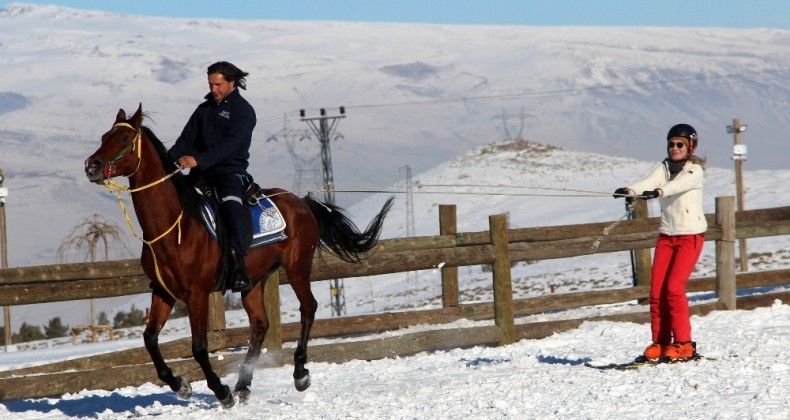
[
  {"x": 259, "y": 324},
  {"x": 160, "y": 312},
  {"x": 198, "y": 321}
]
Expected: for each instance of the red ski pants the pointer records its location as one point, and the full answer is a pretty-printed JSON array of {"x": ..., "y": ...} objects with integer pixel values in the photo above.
[{"x": 673, "y": 261}]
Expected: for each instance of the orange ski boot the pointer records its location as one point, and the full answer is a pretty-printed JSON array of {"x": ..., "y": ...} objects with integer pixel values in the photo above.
[
  {"x": 654, "y": 351},
  {"x": 681, "y": 351}
]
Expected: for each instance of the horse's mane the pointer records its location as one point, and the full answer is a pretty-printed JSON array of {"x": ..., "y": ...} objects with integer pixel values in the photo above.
[{"x": 189, "y": 199}]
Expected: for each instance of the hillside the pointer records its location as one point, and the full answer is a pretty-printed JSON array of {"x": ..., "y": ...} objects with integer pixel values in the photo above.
[
  {"x": 434, "y": 97},
  {"x": 415, "y": 95},
  {"x": 542, "y": 185}
]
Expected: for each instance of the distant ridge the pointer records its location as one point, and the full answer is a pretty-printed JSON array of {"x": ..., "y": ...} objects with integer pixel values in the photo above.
[{"x": 417, "y": 95}]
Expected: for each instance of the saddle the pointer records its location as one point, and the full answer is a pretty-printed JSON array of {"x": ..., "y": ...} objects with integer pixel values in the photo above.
[{"x": 268, "y": 224}]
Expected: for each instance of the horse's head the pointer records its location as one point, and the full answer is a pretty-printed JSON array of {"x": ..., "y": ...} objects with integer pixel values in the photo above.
[{"x": 118, "y": 154}]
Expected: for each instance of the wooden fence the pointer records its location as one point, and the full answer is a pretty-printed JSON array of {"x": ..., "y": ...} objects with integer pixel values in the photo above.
[{"x": 498, "y": 246}]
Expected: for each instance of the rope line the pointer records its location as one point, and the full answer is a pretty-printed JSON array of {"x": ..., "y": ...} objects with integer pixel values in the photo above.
[
  {"x": 445, "y": 189},
  {"x": 597, "y": 242},
  {"x": 399, "y": 189}
]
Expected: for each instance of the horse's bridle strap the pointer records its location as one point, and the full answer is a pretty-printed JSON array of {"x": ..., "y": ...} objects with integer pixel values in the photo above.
[{"x": 136, "y": 143}]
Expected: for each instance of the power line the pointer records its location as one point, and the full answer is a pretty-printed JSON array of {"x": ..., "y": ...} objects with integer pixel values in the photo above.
[
  {"x": 560, "y": 92},
  {"x": 557, "y": 92}
]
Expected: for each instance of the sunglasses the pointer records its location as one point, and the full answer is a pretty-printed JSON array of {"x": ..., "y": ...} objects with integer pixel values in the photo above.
[{"x": 678, "y": 145}]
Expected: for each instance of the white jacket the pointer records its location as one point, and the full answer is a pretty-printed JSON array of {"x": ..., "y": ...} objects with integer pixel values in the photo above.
[{"x": 681, "y": 199}]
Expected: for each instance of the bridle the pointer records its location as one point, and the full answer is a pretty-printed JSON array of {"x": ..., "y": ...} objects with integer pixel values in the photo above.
[
  {"x": 131, "y": 146},
  {"x": 138, "y": 140},
  {"x": 116, "y": 188}
]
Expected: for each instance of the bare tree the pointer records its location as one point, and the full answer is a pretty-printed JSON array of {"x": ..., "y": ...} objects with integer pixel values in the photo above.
[{"x": 93, "y": 234}]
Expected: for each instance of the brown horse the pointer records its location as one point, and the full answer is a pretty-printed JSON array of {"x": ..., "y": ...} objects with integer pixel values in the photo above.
[{"x": 183, "y": 261}]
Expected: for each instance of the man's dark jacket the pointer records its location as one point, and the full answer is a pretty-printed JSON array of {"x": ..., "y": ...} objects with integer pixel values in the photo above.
[{"x": 218, "y": 135}]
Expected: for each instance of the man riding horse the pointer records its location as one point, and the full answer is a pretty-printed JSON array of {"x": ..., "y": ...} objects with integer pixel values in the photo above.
[{"x": 215, "y": 145}]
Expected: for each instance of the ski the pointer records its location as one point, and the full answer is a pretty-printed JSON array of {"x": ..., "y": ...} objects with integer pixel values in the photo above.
[{"x": 642, "y": 361}]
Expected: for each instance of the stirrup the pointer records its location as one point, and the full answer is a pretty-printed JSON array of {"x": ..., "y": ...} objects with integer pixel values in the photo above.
[{"x": 241, "y": 282}]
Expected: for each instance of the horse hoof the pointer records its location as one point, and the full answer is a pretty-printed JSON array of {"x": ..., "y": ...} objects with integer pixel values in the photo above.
[
  {"x": 228, "y": 401},
  {"x": 244, "y": 395},
  {"x": 184, "y": 390},
  {"x": 302, "y": 383}
]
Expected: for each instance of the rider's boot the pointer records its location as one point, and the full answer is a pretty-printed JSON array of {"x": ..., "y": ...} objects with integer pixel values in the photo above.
[{"x": 240, "y": 280}]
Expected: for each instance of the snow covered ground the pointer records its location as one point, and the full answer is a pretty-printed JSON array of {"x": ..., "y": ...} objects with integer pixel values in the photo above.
[{"x": 546, "y": 379}]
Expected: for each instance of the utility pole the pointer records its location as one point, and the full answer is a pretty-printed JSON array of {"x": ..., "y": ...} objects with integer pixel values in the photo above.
[
  {"x": 4, "y": 256},
  {"x": 324, "y": 129},
  {"x": 410, "y": 231},
  {"x": 739, "y": 155}
]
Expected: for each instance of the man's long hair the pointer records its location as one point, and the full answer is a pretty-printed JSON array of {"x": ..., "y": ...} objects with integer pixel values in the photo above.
[{"x": 230, "y": 73}]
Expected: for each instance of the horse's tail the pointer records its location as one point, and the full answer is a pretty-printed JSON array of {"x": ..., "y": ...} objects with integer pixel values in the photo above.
[{"x": 339, "y": 233}]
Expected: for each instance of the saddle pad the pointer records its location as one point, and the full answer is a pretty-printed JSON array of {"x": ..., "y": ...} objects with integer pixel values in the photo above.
[
  {"x": 268, "y": 217},
  {"x": 268, "y": 225}
]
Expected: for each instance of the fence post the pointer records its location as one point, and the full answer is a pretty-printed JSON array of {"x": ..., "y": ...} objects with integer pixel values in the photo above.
[
  {"x": 725, "y": 252},
  {"x": 448, "y": 225},
  {"x": 503, "y": 290},
  {"x": 643, "y": 265},
  {"x": 271, "y": 304},
  {"x": 216, "y": 312}
]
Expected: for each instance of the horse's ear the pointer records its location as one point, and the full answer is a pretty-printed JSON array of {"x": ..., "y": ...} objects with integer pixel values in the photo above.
[
  {"x": 121, "y": 116},
  {"x": 137, "y": 118}
]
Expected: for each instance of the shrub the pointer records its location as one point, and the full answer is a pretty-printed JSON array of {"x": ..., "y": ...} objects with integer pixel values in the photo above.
[
  {"x": 133, "y": 318},
  {"x": 28, "y": 333},
  {"x": 56, "y": 328}
]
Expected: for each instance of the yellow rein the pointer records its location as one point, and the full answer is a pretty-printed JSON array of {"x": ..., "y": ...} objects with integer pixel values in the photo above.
[{"x": 116, "y": 188}]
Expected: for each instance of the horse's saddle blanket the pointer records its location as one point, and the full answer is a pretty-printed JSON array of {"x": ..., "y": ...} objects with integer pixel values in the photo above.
[{"x": 268, "y": 225}]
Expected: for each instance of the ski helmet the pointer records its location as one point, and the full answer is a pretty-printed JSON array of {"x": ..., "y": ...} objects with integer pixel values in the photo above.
[{"x": 685, "y": 131}]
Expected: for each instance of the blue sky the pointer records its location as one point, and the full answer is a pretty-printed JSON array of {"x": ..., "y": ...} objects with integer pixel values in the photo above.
[{"x": 700, "y": 13}]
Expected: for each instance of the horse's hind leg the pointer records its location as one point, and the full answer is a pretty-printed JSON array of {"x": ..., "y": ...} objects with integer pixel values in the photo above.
[
  {"x": 259, "y": 324},
  {"x": 160, "y": 312},
  {"x": 299, "y": 278}
]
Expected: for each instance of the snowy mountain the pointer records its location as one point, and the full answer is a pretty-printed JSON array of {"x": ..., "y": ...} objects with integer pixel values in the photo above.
[{"x": 439, "y": 99}]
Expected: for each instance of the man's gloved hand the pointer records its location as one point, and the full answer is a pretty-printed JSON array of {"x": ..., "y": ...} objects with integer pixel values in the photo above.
[
  {"x": 647, "y": 195},
  {"x": 620, "y": 192}
]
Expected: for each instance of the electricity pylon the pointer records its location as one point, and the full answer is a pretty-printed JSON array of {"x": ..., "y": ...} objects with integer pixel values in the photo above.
[{"x": 324, "y": 128}]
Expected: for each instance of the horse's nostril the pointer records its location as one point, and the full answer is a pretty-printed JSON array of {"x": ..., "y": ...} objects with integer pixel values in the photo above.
[
  {"x": 92, "y": 164},
  {"x": 92, "y": 167}
]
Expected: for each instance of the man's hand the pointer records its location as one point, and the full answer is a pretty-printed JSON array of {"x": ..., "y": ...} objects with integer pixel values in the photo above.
[{"x": 187, "y": 162}]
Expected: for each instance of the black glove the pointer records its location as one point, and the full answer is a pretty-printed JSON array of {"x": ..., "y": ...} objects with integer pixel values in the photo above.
[
  {"x": 647, "y": 195},
  {"x": 620, "y": 192}
]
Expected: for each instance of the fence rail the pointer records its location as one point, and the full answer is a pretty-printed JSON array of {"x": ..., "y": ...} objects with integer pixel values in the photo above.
[{"x": 498, "y": 246}]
